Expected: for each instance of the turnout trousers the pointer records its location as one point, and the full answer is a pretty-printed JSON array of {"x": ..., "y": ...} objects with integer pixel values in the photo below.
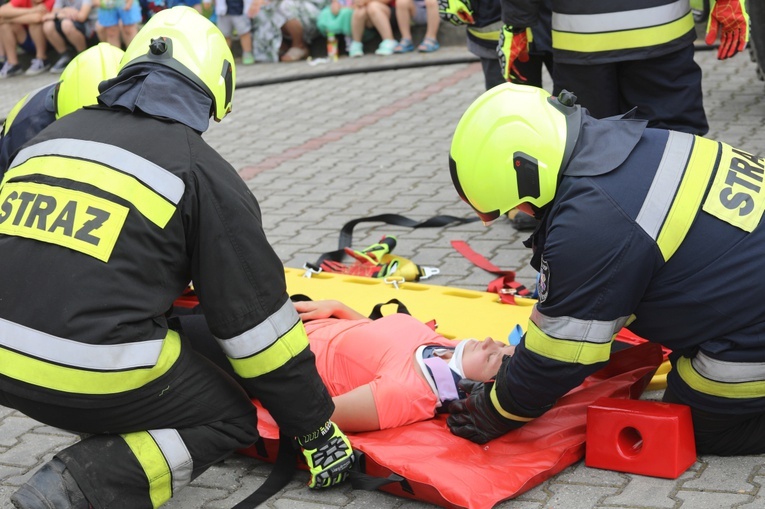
[
  {"x": 145, "y": 445},
  {"x": 666, "y": 90}
]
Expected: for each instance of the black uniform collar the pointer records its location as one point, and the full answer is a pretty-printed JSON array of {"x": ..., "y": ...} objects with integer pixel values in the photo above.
[
  {"x": 602, "y": 146},
  {"x": 159, "y": 92}
]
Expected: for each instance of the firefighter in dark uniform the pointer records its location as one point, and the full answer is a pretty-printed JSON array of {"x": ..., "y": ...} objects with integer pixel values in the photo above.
[
  {"x": 105, "y": 218},
  {"x": 39, "y": 108},
  {"x": 483, "y": 22},
  {"x": 619, "y": 54},
  {"x": 654, "y": 230}
]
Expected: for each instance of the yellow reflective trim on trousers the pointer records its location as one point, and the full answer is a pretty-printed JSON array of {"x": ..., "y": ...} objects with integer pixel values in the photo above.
[
  {"x": 504, "y": 413},
  {"x": 624, "y": 39},
  {"x": 149, "y": 203},
  {"x": 79, "y": 381},
  {"x": 486, "y": 36},
  {"x": 687, "y": 201},
  {"x": 275, "y": 356},
  {"x": 154, "y": 465},
  {"x": 733, "y": 390},
  {"x": 563, "y": 350}
]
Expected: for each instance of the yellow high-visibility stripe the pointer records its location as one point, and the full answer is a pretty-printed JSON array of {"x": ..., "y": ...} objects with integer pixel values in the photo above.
[
  {"x": 79, "y": 381},
  {"x": 687, "y": 201},
  {"x": 148, "y": 202},
  {"x": 152, "y": 175},
  {"x": 154, "y": 465},
  {"x": 504, "y": 413},
  {"x": 275, "y": 356},
  {"x": 734, "y": 390},
  {"x": 492, "y": 35},
  {"x": 623, "y": 39},
  {"x": 564, "y": 350}
]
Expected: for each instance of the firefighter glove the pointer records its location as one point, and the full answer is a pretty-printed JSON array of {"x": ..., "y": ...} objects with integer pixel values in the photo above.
[
  {"x": 513, "y": 46},
  {"x": 456, "y": 12},
  {"x": 475, "y": 418},
  {"x": 729, "y": 18},
  {"x": 329, "y": 455}
]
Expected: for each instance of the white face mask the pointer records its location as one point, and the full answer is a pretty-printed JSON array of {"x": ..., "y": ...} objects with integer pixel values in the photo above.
[{"x": 456, "y": 361}]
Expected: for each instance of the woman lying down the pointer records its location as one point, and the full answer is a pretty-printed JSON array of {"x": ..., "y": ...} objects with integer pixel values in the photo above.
[{"x": 394, "y": 370}]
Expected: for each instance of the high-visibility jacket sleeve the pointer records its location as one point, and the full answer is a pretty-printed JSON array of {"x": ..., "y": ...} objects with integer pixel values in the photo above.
[
  {"x": 595, "y": 267},
  {"x": 241, "y": 286}
]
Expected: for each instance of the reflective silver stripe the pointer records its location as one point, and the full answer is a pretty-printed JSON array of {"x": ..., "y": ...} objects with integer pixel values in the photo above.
[
  {"x": 617, "y": 21},
  {"x": 176, "y": 454},
  {"x": 157, "y": 178},
  {"x": 574, "y": 329},
  {"x": 665, "y": 183},
  {"x": 262, "y": 335},
  {"x": 79, "y": 355},
  {"x": 728, "y": 372}
]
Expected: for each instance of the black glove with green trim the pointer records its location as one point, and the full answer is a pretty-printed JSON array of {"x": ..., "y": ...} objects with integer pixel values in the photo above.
[
  {"x": 329, "y": 455},
  {"x": 475, "y": 418}
]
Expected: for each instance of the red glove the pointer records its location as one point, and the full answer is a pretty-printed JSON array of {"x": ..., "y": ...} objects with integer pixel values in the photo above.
[
  {"x": 513, "y": 45},
  {"x": 729, "y": 17}
]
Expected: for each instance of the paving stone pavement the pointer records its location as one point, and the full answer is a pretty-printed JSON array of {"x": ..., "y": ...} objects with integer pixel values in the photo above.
[{"x": 318, "y": 150}]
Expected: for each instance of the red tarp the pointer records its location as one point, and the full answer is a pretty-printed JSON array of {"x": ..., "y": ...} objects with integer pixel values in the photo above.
[{"x": 449, "y": 471}]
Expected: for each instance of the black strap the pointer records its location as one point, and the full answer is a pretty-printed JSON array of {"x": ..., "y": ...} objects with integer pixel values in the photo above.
[
  {"x": 377, "y": 310},
  {"x": 281, "y": 474},
  {"x": 346, "y": 232},
  {"x": 360, "y": 480}
]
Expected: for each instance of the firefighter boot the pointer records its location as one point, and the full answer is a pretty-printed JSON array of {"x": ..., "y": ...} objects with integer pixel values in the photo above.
[{"x": 51, "y": 487}]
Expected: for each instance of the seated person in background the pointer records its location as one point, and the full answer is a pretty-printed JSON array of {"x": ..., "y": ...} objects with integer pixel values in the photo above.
[
  {"x": 380, "y": 373},
  {"x": 119, "y": 21},
  {"x": 21, "y": 25},
  {"x": 282, "y": 30},
  {"x": 336, "y": 19},
  {"x": 70, "y": 23},
  {"x": 231, "y": 16},
  {"x": 151, "y": 7},
  {"x": 417, "y": 12},
  {"x": 371, "y": 14}
]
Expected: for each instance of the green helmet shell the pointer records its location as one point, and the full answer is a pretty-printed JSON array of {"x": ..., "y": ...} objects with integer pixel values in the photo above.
[
  {"x": 183, "y": 39},
  {"x": 508, "y": 148},
  {"x": 78, "y": 85}
]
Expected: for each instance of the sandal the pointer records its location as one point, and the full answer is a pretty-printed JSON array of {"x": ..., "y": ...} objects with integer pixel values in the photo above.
[
  {"x": 404, "y": 46},
  {"x": 428, "y": 45},
  {"x": 295, "y": 54}
]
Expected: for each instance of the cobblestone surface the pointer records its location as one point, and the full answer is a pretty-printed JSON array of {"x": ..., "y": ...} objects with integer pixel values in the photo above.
[{"x": 318, "y": 150}]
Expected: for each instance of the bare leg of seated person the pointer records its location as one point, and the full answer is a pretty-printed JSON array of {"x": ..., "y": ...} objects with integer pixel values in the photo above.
[{"x": 293, "y": 30}]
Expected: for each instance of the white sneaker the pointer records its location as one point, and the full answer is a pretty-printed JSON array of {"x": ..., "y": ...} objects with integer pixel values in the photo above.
[
  {"x": 9, "y": 70},
  {"x": 38, "y": 66},
  {"x": 356, "y": 49},
  {"x": 386, "y": 47}
]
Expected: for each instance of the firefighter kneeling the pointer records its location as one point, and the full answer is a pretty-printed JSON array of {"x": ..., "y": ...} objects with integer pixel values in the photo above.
[
  {"x": 107, "y": 215},
  {"x": 654, "y": 230}
]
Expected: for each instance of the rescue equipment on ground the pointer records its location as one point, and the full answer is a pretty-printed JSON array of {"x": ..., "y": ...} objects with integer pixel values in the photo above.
[
  {"x": 377, "y": 261},
  {"x": 370, "y": 262}
]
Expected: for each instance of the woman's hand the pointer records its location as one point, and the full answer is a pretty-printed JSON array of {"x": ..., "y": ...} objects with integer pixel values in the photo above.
[{"x": 315, "y": 310}]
